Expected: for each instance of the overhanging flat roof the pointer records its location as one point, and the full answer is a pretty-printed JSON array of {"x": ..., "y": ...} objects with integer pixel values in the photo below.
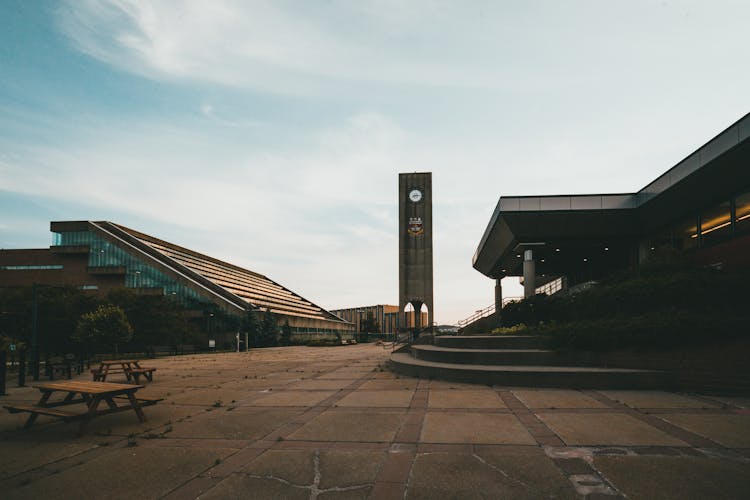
[{"x": 717, "y": 168}]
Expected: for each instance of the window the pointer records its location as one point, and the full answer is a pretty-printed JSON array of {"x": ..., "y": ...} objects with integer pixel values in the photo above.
[
  {"x": 742, "y": 212},
  {"x": 31, "y": 267},
  {"x": 686, "y": 234},
  {"x": 716, "y": 223}
]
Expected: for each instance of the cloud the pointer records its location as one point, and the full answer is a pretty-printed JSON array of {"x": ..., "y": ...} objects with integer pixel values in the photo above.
[
  {"x": 291, "y": 47},
  {"x": 301, "y": 114}
]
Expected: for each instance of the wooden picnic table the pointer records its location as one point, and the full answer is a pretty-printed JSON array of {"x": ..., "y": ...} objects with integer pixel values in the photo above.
[
  {"x": 118, "y": 397},
  {"x": 130, "y": 367}
]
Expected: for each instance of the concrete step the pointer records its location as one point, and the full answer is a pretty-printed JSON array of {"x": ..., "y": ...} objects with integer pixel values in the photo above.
[
  {"x": 486, "y": 356},
  {"x": 573, "y": 377},
  {"x": 492, "y": 341}
]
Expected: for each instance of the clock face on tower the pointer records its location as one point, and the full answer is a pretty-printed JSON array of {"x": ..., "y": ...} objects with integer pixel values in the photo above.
[{"x": 415, "y": 195}]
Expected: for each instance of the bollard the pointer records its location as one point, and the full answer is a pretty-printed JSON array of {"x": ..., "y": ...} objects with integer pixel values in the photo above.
[
  {"x": 3, "y": 368},
  {"x": 22, "y": 368}
]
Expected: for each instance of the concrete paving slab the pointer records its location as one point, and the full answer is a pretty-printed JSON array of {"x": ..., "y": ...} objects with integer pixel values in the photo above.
[
  {"x": 349, "y": 468},
  {"x": 256, "y": 384},
  {"x": 122, "y": 424},
  {"x": 443, "y": 385},
  {"x": 21, "y": 455},
  {"x": 557, "y": 398},
  {"x": 241, "y": 423},
  {"x": 294, "y": 466},
  {"x": 320, "y": 384},
  {"x": 657, "y": 399},
  {"x": 150, "y": 473},
  {"x": 487, "y": 428},
  {"x": 447, "y": 475},
  {"x": 344, "y": 375},
  {"x": 292, "y": 398},
  {"x": 606, "y": 429},
  {"x": 394, "y": 399},
  {"x": 208, "y": 397},
  {"x": 243, "y": 486},
  {"x": 363, "y": 426},
  {"x": 464, "y": 399},
  {"x": 731, "y": 430},
  {"x": 390, "y": 384},
  {"x": 677, "y": 478},
  {"x": 350, "y": 442}
]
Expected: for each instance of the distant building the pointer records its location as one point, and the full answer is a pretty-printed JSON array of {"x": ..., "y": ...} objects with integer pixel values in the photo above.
[
  {"x": 701, "y": 207},
  {"x": 386, "y": 318},
  {"x": 103, "y": 256}
]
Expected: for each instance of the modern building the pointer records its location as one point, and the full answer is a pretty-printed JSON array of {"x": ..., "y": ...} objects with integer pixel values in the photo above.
[
  {"x": 386, "y": 318},
  {"x": 103, "y": 256},
  {"x": 700, "y": 206}
]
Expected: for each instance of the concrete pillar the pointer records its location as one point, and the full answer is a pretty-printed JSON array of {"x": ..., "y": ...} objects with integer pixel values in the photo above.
[
  {"x": 529, "y": 274},
  {"x": 498, "y": 299}
]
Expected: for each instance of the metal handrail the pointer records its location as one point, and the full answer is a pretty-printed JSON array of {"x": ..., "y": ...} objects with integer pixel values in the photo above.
[{"x": 487, "y": 311}]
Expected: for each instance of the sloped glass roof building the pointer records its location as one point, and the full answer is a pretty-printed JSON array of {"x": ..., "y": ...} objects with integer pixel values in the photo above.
[{"x": 102, "y": 256}]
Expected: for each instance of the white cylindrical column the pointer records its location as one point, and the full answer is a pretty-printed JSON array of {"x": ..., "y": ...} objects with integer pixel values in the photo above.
[{"x": 529, "y": 274}]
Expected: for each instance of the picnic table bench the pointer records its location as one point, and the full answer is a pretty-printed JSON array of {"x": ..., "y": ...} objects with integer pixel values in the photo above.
[
  {"x": 130, "y": 367},
  {"x": 89, "y": 393}
]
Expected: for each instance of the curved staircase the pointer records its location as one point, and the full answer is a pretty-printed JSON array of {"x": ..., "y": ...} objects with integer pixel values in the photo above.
[{"x": 517, "y": 360}]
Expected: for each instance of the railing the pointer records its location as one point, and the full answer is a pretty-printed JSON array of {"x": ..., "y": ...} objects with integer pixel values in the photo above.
[
  {"x": 406, "y": 337},
  {"x": 487, "y": 311}
]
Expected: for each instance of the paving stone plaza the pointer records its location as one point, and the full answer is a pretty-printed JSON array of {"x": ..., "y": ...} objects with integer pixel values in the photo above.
[{"x": 332, "y": 422}]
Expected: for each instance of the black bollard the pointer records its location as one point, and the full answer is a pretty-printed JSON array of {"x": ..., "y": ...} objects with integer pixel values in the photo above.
[
  {"x": 22, "y": 368},
  {"x": 3, "y": 367}
]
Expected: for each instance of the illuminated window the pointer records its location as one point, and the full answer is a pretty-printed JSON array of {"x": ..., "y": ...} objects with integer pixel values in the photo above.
[
  {"x": 742, "y": 212},
  {"x": 686, "y": 234},
  {"x": 716, "y": 223}
]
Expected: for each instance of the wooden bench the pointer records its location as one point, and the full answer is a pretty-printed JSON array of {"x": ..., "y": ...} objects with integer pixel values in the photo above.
[
  {"x": 44, "y": 410},
  {"x": 91, "y": 394},
  {"x": 129, "y": 367},
  {"x": 61, "y": 366},
  {"x": 143, "y": 400},
  {"x": 136, "y": 373}
]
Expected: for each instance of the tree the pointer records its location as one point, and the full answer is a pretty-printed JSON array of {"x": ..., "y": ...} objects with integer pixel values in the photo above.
[
  {"x": 268, "y": 331},
  {"x": 106, "y": 325},
  {"x": 286, "y": 333},
  {"x": 251, "y": 326},
  {"x": 156, "y": 319}
]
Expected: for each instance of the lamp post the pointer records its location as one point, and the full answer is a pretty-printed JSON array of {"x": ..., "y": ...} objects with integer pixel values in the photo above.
[
  {"x": 34, "y": 333},
  {"x": 208, "y": 330}
]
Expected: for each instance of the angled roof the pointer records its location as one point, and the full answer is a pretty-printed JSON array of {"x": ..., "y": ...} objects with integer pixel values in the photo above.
[{"x": 222, "y": 281}]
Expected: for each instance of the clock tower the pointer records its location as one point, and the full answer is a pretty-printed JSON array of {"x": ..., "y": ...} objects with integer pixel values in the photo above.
[{"x": 415, "y": 248}]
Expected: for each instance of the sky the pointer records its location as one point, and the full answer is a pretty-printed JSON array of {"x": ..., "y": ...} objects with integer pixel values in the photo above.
[{"x": 270, "y": 134}]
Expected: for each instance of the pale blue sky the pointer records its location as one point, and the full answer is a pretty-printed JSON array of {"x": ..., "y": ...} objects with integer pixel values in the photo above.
[{"x": 270, "y": 134}]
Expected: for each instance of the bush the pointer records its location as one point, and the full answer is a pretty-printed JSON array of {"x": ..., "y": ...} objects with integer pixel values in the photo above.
[
  {"x": 661, "y": 305},
  {"x": 651, "y": 331},
  {"x": 520, "y": 328}
]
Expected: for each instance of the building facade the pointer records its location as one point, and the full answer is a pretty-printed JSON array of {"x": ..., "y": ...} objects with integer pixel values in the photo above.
[
  {"x": 103, "y": 256},
  {"x": 701, "y": 206},
  {"x": 386, "y": 318}
]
